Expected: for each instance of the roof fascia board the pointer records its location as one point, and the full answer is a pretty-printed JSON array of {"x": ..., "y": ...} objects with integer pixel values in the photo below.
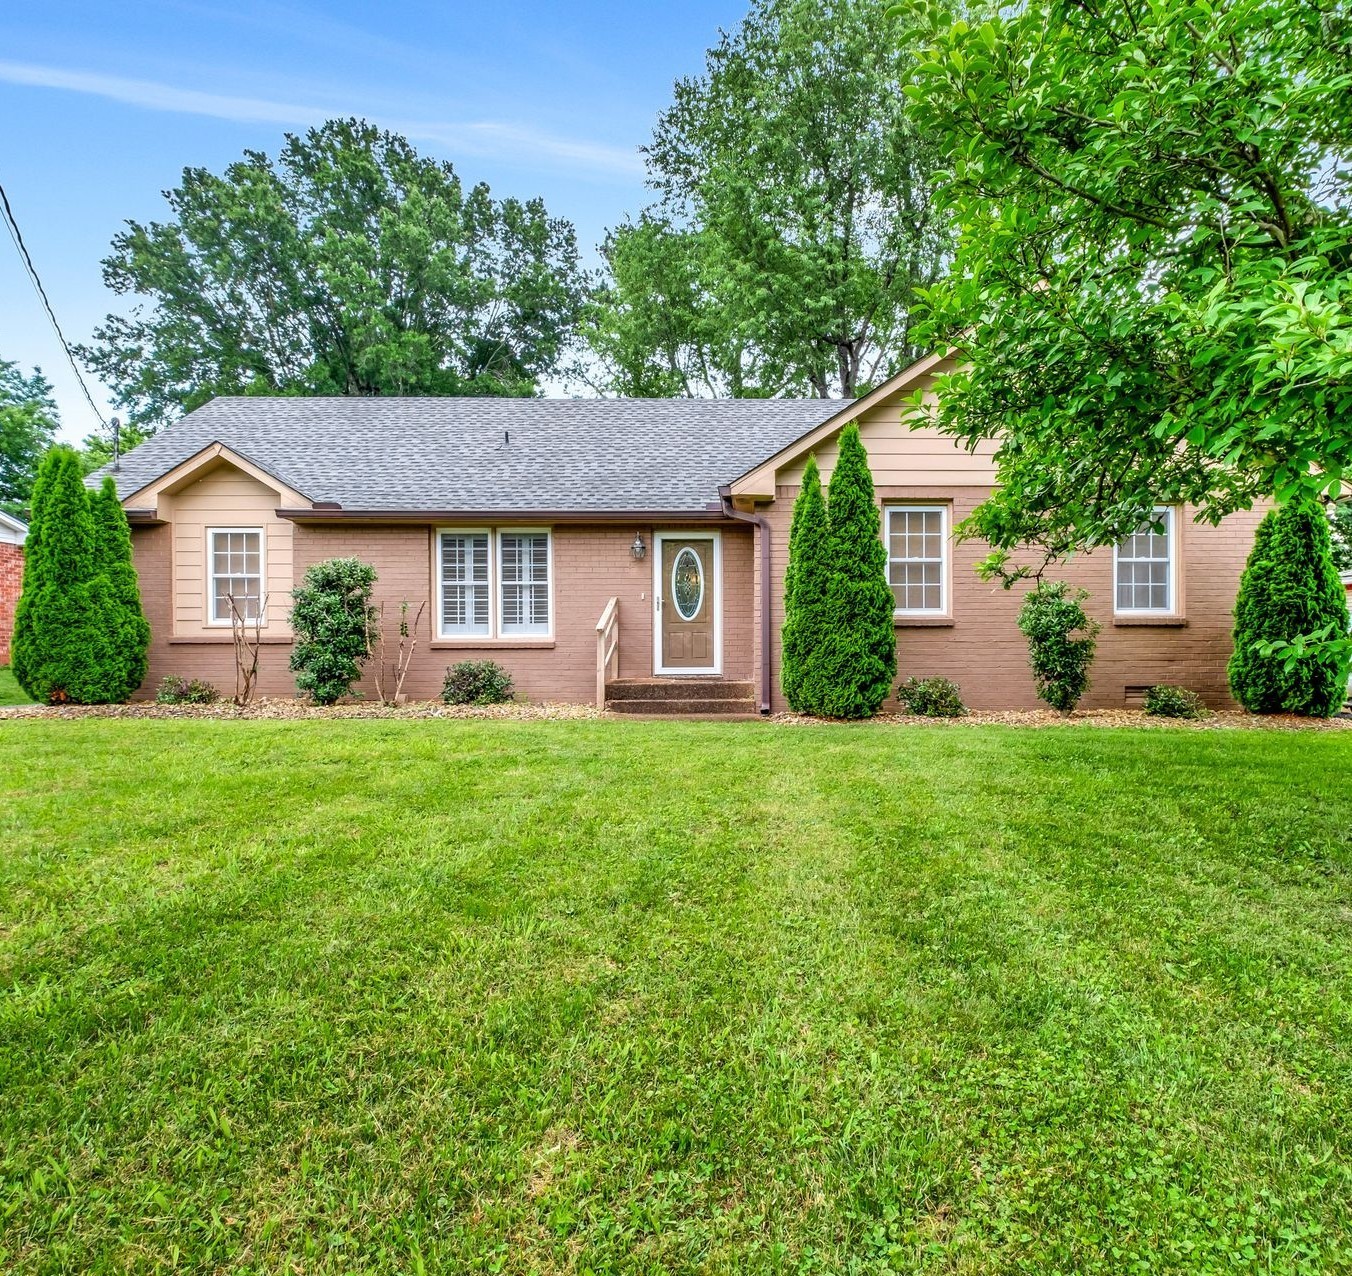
[{"x": 450, "y": 517}]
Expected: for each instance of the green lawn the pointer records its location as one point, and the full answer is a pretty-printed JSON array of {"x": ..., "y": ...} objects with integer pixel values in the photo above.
[
  {"x": 655, "y": 997},
  {"x": 10, "y": 691}
]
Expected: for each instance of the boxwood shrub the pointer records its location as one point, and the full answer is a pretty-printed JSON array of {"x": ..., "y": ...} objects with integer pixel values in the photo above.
[
  {"x": 931, "y": 697},
  {"x": 1166, "y": 701},
  {"x": 477, "y": 682},
  {"x": 175, "y": 690}
]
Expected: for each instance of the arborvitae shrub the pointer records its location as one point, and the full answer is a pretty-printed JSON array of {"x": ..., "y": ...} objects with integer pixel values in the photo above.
[
  {"x": 477, "y": 682},
  {"x": 851, "y": 672},
  {"x": 1290, "y": 587},
  {"x": 57, "y": 647},
  {"x": 806, "y": 582},
  {"x": 332, "y": 618},
  {"x": 1061, "y": 642},
  {"x": 123, "y": 632}
]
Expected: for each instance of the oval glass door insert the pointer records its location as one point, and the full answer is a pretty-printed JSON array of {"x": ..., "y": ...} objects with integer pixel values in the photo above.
[{"x": 687, "y": 583}]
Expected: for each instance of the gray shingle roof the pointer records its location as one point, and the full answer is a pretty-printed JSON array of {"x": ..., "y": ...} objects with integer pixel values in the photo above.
[{"x": 400, "y": 454}]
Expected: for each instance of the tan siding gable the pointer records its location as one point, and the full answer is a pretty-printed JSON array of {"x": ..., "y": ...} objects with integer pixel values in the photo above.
[
  {"x": 899, "y": 455},
  {"x": 225, "y": 497}
]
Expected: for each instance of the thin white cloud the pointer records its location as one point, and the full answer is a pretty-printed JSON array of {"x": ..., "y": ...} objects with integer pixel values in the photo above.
[{"x": 513, "y": 141}]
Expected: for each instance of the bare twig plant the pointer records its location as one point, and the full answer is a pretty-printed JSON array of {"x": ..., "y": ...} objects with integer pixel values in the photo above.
[
  {"x": 246, "y": 647},
  {"x": 403, "y": 656}
]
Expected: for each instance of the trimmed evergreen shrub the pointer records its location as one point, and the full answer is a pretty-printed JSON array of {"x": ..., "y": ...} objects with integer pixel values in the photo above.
[
  {"x": 332, "y": 618},
  {"x": 851, "y": 671},
  {"x": 931, "y": 698},
  {"x": 174, "y": 690},
  {"x": 1290, "y": 587},
  {"x": 477, "y": 682},
  {"x": 1166, "y": 701},
  {"x": 56, "y": 648},
  {"x": 806, "y": 581},
  {"x": 1061, "y": 642},
  {"x": 123, "y": 631}
]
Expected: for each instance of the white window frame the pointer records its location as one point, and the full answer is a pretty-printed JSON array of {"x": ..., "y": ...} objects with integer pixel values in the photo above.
[
  {"x": 524, "y": 631},
  {"x": 945, "y": 567},
  {"x": 462, "y": 634},
  {"x": 1169, "y": 513},
  {"x": 213, "y": 621},
  {"x": 496, "y": 633}
]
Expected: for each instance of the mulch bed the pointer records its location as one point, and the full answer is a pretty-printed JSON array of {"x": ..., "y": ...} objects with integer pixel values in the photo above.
[
  {"x": 1226, "y": 719},
  {"x": 284, "y": 709}
]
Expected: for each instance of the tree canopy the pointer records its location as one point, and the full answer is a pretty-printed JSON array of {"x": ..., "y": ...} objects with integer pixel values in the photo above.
[
  {"x": 28, "y": 424},
  {"x": 1153, "y": 283},
  {"x": 349, "y": 265},
  {"x": 795, "y": 218}
]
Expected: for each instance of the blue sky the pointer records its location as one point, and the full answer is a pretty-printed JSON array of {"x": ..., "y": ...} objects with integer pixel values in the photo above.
[{"x": 105, "y": 104}]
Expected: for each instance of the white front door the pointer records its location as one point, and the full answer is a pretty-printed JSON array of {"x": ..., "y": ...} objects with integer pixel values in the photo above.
[{"x": 687, "y": 598}]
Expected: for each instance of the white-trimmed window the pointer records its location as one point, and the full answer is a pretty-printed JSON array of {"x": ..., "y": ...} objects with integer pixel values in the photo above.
[
  {"x": 917, "y": 558},
  {"x": 523, "y": 573},
  {"x": 235, "y": 557},
  {"x": 1144, "y": 570},
  {"x": 495, "y": 583},
  {"x": 463, "y": 566}
]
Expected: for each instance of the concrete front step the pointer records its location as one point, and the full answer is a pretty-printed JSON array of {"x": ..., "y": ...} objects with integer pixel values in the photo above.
[
  {"x": 678, "y": 689},
  {"x": 666, "y": 706}
]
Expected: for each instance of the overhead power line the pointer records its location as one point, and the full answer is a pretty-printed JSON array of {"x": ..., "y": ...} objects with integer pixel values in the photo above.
[{"x": 17, "y": 236}]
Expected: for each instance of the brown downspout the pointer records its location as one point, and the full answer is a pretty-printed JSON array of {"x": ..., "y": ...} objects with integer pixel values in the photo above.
[{"x": 763, "y": 524}]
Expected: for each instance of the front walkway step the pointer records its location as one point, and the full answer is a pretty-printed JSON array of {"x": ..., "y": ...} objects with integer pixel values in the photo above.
[
  {"x": 666, "y": 706},
  {"x": 678, "y": 689}
]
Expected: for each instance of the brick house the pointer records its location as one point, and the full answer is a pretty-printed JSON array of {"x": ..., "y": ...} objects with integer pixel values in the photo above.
[
  {"x": 13, "y": 533},
  {"x": 628, "y": 550}
]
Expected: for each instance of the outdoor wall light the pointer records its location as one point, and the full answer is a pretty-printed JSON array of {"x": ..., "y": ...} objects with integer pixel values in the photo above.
[{"x": 638, "y": 549}]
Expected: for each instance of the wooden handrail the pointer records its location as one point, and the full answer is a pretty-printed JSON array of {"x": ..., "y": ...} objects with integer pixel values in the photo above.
[{"x": 607, "y": 649}]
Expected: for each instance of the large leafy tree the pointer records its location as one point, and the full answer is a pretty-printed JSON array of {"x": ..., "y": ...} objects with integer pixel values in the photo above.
[
  {"x": 28, "y": 423},
  {"x": 349, "y": 265},
  {"x": 795, "y": 220},
  {"x": 1153, "y": 286}
]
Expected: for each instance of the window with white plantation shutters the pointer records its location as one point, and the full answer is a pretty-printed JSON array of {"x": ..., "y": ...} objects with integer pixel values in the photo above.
[
  {"x": 464, "y": 583},
  {"x": 1145, "y": 566},
  {"x": 236, "y": 573},
  {"x": 524, "y": 568},
  {"x": 916, "y": 537}
]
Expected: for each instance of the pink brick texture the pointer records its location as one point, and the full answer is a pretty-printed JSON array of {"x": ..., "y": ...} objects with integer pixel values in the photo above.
[
  {"x": 981, "y": 649},
  {"x": 591, "y": 565}
]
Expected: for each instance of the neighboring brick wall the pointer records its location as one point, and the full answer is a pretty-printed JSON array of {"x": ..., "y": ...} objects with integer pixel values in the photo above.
[
  {"x": 986, "y": 655},
  {"x": 11, "y": 578},
  {"x": 591, "y": 565}
]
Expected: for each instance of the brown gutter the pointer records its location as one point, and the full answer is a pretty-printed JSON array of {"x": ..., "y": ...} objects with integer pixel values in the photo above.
[
  {"x": 762, "y": 524},
  {"x": 676, "y": 518}
]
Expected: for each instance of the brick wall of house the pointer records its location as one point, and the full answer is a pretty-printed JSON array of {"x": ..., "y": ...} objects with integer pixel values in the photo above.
[
  {"x": 11, "y": 577},
  {"x": 982, "y": 650},
  {"x": 591, "y": 565}
]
